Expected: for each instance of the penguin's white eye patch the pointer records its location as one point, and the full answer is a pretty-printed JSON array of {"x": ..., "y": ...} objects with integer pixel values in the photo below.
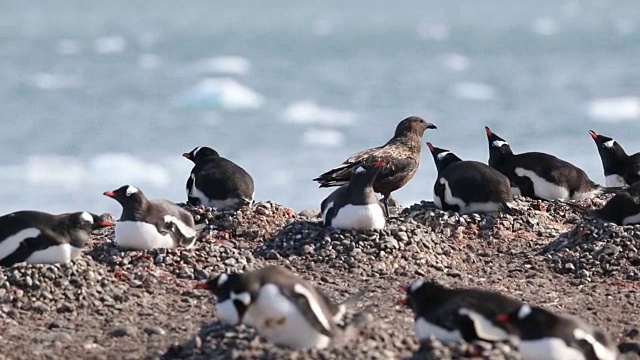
[
  {"x": 86, "y": 217},
  {"x": 194, "y": 152},
  {"x": 524, "y": 311},
  {"x": 222, "y": 279},
  {"x": 609, "y": 144},
  {"x": 499, "y": 143},
  {"x": 443, "y": 154},
  {"x": 131, "y": 190},
  {"x": 244, "y": 297},
  {"x": 359, "y": 170},
  {"x": 416, "y": 285}
]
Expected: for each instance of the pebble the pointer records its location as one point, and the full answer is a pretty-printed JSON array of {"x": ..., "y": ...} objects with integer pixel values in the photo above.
[
  {"x": 154, "y": 330},
  {"x": 124, "y": 330}
]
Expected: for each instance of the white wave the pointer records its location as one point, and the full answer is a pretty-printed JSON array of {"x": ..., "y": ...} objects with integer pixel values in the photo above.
[
  {"x": 110, "y": 45},
  {"x": 46, "y": 81},
  {"x": 323, "y": 138},
  {"x": 473, "y": 91},
  {"x": 456, "y": 62},
  {"x": 615, "y": 109},
  {"x": 224, "y": 93},
  {"x": 308, "y": 112},
  {"x": 69, "y": 47},
  {"x": 433, "y": 31},
  {"x": 149, "y": 61},
  {"x": 233, "y": 65},
  {"x": 545, "y": 25}
]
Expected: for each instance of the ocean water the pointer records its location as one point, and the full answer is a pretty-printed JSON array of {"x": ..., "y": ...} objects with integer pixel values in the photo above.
[{"x": 95, "y": 95}]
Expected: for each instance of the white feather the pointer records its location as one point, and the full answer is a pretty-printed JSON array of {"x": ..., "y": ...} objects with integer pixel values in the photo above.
[
  {"x": 631, "y": 220},
  {"x": 443, "y": 154},
  {"x": 186, "y": 230},
  {"x": 87, "y": 217},
  {"x": 313, "y": 303},
  {"x": 499, "y": 143},
  {"x": 57, "y": 254},
  {"x": 425, "y": 330},
  {"x": 227, "y": 312},
  {"x": 222, "y": 279},
  {"x": 609, "y": 144},
  {"x": 326, "y": 210},
  {"x": 462, "y": 205},
  {"x": 225, "y": 204},
  {"x": 139, "y": 235},
  {"x": 484, "y": 328},
  {"x": 601, "y": 351},
  {"x": 550, "y": 191},
  {"x": 614, "y": 180},
  {"x": 279, "y": 321},
  {"x": 12, "y": 242},
  {"x": 131, "y": 190},
  {"x": 548, "y": 349},
  {"x": 359, "y": 217}
]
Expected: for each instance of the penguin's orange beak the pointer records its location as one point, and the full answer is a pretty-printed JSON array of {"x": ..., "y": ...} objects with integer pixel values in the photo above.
[
  {"x": 187, "y": 155},
  {"x": 402, "y": 302},
  {"x": 430, "y": 145},
  {"x": 106, "y": 223},
  {"x": 379, "y": 164},
  {"x": 502, "y": 318},
  {"x": 489, "y": 133},
  {"x": 202, "y": 285},
  {"x": 404, "y": 288},
  {"x": 593, "y": 134},
  {"x": 110, "y": 194}
]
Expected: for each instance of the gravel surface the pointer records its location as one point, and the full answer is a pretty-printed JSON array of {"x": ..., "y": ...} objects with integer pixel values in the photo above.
[{"x": 114, "y": 304}]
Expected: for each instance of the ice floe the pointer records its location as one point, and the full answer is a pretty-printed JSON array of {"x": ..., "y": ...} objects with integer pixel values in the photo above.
[
  {"x": 221, "y": 93},
  {"x": 473, "y": 91},
  {"x": 323, "y": 138},
  {"x": 308, "y": 112},
  {"x": 615, "y": 109}
]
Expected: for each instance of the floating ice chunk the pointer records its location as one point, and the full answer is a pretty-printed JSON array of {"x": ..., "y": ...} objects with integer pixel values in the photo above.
[
  {"x": 69, "y": 47},
  {"x": 149, "y": 61},
  {"x": 433, "y": 31},
  {"x": 46, "y": 81},
  {"x": 308, "y": 112},
  {"x": 473, "y": 91},
  {"x": 545, "y": 25},
  {"x": 615, "y": 109},
  {"x": 234, "y": 65},
  {"x": 323, "y": 138},
  {"x": 224, "y": 93},
  {"x": 124, "y": 168},
  {"x": 110, "y": 45},
  {"x": 456, "y": 62}
]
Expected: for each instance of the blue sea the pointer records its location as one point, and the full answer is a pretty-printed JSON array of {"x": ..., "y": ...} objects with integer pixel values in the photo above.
[{"x": 94, "y": 95}]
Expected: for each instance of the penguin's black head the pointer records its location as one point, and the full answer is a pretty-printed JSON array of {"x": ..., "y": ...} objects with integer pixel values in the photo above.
[
  {"x": 414, "y": 125},
  {"x": 233, "y": 296},
  {"x": 200, "y": 153},
  {"x": 366, "y": 173},
  {"x": 527, "y": 319},
  {"x": 420, "y": 293},
  {"x": 442, "y": 157},
  {"x": 126, "y": 194},
  {"x": 610, "y": 151},
  {"x": 88, "y": 221},
  {"x": 497, "y": 145}
]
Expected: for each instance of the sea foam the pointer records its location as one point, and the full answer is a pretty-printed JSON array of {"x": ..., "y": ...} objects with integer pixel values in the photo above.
[
  {"x": 308, "y": 112},
  {"x": 221, "y": 93},
  {"x": 615, "y": 109}
]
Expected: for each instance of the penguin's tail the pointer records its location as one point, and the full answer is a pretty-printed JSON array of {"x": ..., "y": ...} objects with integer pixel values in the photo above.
[
  {"x": 352, "y": 329},
  {"x": 581, "y": 209},
  {"x": 507, "y": 209},
  {"x": 629, "y": 347}
]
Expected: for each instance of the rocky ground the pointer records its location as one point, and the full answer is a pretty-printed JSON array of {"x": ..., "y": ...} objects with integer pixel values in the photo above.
[{"x": 111, "y": 304}]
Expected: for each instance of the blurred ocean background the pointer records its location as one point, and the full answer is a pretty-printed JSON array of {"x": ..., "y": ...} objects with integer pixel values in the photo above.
[{"x": 94, "y": 95}]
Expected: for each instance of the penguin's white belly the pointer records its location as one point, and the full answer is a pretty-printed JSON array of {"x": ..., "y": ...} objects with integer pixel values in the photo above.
[
  {"x": 359, "y": 217},
  {"x": 227, "y": 312},
  {"x": 224, "y": 204},
  {"x": 57, "y": 254},
  {"x": 464, "y": 207},
  {"x": 425, "y": 330},
  {"x": 548, "y": 349},
  {"x": 279, "y": 321},
  {"x": 543, "y": 188},
  {"x": 631, "y": 220},
  {"x": 614, "y": 180},
  {"x": 139, "y": 235}
]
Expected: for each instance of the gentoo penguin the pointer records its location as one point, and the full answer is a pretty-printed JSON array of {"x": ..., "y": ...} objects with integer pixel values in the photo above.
[
  {"x": 468, "y": 186},
  {"x": 40, "y": 238},
  {"x": 217, "y": 182},
  {"x": 622, "y": 209},
  {"x": 544, "y": 335},
  {"x": 538, "y": 175},
  {"x": 401, "y": 155},
  {"x": 355, "y": 205},
  {"x": 284, "y": 308},
  {"x": 149, "y": 224},
  {"x": 453, "y": 314},
  {"x": 620, "y": 169}
]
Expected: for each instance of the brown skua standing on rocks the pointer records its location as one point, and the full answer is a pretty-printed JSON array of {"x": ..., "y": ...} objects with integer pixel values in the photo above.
[{"x": 401, "y": 155}]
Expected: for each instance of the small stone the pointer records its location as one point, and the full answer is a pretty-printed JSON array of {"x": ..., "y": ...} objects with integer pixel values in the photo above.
[
  {"x": 125, "y": 330},
  {"x": 154, "y": 330}
]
